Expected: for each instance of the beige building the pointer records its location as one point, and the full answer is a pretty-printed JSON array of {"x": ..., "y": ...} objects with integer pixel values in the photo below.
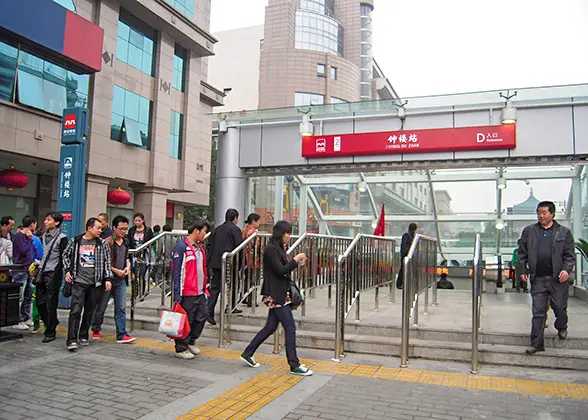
[{"x": 153, "y": 81}]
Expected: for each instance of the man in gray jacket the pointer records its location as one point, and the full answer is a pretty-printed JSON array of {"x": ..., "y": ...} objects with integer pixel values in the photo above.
[{"x": 547, "y": 257}]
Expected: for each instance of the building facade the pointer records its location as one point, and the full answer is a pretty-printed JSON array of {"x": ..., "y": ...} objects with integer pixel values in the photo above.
[{"x": 149, "y": 111}]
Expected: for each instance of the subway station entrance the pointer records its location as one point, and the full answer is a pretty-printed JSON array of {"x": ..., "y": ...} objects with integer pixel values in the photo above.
[{"x": 468, "y": 169}]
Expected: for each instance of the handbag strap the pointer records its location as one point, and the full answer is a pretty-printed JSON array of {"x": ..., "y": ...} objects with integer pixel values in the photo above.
[{"x": 46, "y": 256}]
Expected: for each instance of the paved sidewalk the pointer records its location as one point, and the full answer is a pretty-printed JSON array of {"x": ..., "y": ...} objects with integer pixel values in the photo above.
[{"x": 111, "y": 381}]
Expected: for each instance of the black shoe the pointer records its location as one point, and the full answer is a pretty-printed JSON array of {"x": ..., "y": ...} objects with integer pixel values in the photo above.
[
  {"x": 237, "y": 311},
  {"x": 211, "y": 320},
  {"x": 399, "y": 286},
  {"x": 533, "y": 350},
  {"x": 48, "y": 339},
  {"x": 562, "y": 334}
]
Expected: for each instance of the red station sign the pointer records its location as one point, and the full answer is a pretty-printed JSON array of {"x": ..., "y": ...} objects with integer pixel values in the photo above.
[{"x": 411, "y": 141}]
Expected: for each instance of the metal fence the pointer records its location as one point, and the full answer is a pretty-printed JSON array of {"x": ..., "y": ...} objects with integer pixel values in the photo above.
[
  {"x": 477, "y": 274},
  {"x": 368, "y": 263},
  {"x": 419, "y": 276}
]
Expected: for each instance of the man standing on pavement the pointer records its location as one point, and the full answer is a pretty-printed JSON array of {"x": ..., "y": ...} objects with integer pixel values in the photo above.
[
  {"x": 8, "y": 223},
  {"x": 224, "y": 238},
  {"x": 107, "y": 232},
  {"x": 47, "y": 298},
  {"x": 547, "y": 258},
  {"x": 121, "y": 268},
  {"x": 189, "y": 285},
  {"x": 86, "y": 261},
  {"x": 405, "y": 244},
  {"x": 24, "y": 254}
]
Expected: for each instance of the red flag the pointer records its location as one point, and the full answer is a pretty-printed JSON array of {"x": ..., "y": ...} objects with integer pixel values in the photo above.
[{"x": 381, "y": 226}]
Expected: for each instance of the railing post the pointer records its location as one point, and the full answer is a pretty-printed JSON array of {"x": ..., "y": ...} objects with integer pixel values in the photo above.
[
  {"x": 133, "y": 292},
  {"x": 221, "y": 324},
  {"x": 476, "y": 298},
  {"x": 377, "y": 300},
  {"x": 357, "y": 306},
  {"x": 330, "y": 292},
  {"x": 338, "y": 314},
  {"x": 427, "y": 300},
  {"x": 415, "y": 315},
  {"x": 406, "y": 294},
  {"x": 435, "y": 301},
  {"x": 277, "y": 341}
]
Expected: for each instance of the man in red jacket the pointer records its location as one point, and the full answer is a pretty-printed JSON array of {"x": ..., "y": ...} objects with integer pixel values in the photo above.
[{"x": 189, "y": 280}]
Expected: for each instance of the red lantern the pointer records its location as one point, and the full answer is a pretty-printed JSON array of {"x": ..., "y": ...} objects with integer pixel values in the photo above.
[
  {"x": 13, "y": 178},
  {"x": 118, "y": 197}
]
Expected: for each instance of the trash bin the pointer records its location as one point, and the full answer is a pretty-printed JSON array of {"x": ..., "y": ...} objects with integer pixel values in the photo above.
[{"x": 9, "y": 309}]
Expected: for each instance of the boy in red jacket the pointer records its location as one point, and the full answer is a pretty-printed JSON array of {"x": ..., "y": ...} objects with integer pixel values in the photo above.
[{"x": 189, "y": 280}]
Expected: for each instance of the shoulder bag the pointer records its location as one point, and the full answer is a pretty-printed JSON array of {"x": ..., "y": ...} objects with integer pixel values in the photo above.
[{"x": 38, "y": 276}]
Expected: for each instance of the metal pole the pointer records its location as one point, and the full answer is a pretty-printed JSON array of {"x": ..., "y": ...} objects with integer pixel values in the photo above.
[
  {"x": 377, "y": 301},
  {"x": 415, "y": 319},
  {"x": 338, "y": 309},
  {"x": 221, "y": 337},
  {"x": 475, "y": 313},
  {"x": 427, "y": 297},
  {"x": 330, "y": 294},
  {"x": 405, "y": 315},
  {"x": 277, "y": 340},
  {"x": 357, "y": 306}
]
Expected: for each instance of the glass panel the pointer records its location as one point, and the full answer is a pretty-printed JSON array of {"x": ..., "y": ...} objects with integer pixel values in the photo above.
[
  {"x": 115, "y": 126},
  {"x": 144, "y": 108},
  {"x": 30, "y": 90},
  {"x": 122, "y": 49},
  {"x": 68, "y": 4},
  {"x": 135, "y": 48},
  {"x": 136, "y": 39},
  {"x": 132, "y": 102},
  {"x": 147, "y": 65},
  {"x": 334, "y": 73},
  {"x": 135, "y": 57},
  {"x": 8, "y": 56},
  {"x": 124, "y": 31},
  {"x": 132, "y": 132},
  {"x": 135, "y": 110},
  {"x": 118, "y": 100}
]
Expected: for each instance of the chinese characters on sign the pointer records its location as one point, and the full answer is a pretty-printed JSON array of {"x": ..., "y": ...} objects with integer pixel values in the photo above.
[
  {"x": 411, "y": 141},
  {"x": 65, "y": 186}
]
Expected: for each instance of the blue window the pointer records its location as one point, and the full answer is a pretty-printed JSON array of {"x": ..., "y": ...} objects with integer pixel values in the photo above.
[
  {"x": 134, "y": 43},
  {"x": 131, "y": 118},
  {"x": 32, "y": 81},
  {"x": 179, "y": 68},
  {"x": 185, "y": 7},
  {"x": 175, "y": 135},
  {"x": 68, "y": 4}
]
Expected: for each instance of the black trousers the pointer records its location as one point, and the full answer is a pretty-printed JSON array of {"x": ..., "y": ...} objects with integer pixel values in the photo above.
[
  {"x": 215, "y": 291},
  {"x": 400, "y": 278},
  {"x": 197, "y": 309},
  {"x": 47, "y": 300},
  {"x": 543, "y": 288},
  {"x": 84, "y": 299}
]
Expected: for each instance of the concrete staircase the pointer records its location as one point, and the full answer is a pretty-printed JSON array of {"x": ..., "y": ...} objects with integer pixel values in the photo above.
[{"x": 427, "y": 343}]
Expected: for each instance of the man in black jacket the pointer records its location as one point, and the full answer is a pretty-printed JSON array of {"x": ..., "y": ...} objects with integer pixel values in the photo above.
[
  {"x": 405, "y": 244},
  {"x": 224, "y": 238},
  {"x": 547, "y": 257}
]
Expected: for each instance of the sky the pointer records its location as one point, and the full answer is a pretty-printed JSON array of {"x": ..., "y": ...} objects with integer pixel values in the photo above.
[{"x": 428, "y": 47}]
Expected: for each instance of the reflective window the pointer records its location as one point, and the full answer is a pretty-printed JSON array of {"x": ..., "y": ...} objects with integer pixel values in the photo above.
[
  {"x": 179, "y": 68},
  {"x": 131, "y": 118},
  {"x": 366, "y": 51},
  {"x": 185, "y": 7},
  {"x": 317, "y": 32},
  {"x": 325, "y": 7},
  {"x": 37, "y": 83},
  {"x": 68, "y": 4},
  {"x": 303, "y": 99},
  {"x": 134, "y": 44},
  {"x": 335, "y": 100},
  {"x": 175, "y": 135},
  {"x": 334, "y": 73},
  {"x": 320, "y": 69}
]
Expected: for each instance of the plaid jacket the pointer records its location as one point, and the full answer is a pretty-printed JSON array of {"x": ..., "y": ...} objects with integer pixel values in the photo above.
[{"x": 103, "y": 271}]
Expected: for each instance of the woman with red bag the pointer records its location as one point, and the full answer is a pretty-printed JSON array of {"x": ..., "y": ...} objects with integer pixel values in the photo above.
[{"x": 189, "y": 285}]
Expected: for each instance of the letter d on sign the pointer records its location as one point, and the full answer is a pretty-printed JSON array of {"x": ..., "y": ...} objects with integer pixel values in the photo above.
[{"x": 481, "y": 138}]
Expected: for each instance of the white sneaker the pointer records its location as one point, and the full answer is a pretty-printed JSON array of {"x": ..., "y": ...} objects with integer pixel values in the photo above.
[
  {"x": 194, "y": 350},
  {"x": 21, "y": 326},
  {"x": 110, "y": 301},
  {"x": 186, "y": 355},
  {"x": 29, "y": 323}
]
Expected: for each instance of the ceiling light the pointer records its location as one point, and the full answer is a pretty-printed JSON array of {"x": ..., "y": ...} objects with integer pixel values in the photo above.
[
  {"x": 306, "y": 127},
  {"x": 499, "y": 224},
  {"x": 501, "y": 183},
  {"x": 509, "y": 113},
  {"x": 362, "y": 186}
]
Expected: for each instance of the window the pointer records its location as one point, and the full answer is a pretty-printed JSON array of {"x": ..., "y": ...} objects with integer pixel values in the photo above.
[
  {"x": 303, "y": 99},
  {"x": 134, "y": 44},
  {"x": 175, "y": 135},
  {"x": 318, "y": 32},
  {"x": 334, "y": 100},
  {"x": 185, "y": 7},
  {"x": 68, "y": 4},
  {"x": 178, "y": 80},
  {"x": 131, "y": 118},
  {"x": 321, "y": 70},
  {"x": 334, "y": 73},
  {"x": 32, "y": 81}
]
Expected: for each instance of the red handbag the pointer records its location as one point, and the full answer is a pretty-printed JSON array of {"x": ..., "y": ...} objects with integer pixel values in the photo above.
[{"x": 185, "y": 325}]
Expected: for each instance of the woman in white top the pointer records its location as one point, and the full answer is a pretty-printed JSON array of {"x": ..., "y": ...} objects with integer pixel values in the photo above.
[{"x": 5, "y": 247}]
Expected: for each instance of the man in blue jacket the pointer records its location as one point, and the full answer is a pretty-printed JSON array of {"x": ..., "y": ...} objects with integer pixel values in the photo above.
[{"x": 24, "y": 254}]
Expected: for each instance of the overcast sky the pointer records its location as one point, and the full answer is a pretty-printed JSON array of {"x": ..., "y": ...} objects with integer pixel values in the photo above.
[{"x": 428, "y": 47}]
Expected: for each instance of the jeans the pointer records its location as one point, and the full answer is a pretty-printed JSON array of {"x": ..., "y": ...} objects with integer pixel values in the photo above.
[
  {"x": 543, "y": 288},
  {"x": 26, "y": 294},
  {"x": 285, "y": 317},
  {"x": 118, "y": 293},
  {"x": 47, "y": 301},
  {"x": 83, "y": 299},
  {"x": 197, "y": 309}
]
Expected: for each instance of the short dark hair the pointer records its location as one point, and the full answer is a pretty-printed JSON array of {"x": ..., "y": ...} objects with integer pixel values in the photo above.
[
  {"x": 253, "y": 217},
  {"x": 91, "y": 222},
  {"x": 156, "y": 228},
  {"x": 104, "y": 215},
  {"x": 231, "y": 215},
  {"x": 412, "y": 227},
  {"x": 119, "y": 219},
  {"x": 55, "y": 215},
  {"x": 279, "y": 230},
  {"x": 5, "y": 221},
  {"x": 27, "y": 221},
  {"x": 140, "y": 215},
  {"x": 167, "y": 228},
  {"x": 549, "y": 204},
  {"x": 198, "y": 224}
]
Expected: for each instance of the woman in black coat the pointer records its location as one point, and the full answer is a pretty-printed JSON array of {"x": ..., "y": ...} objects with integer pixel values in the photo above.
[{"x": 277, "y": 267}]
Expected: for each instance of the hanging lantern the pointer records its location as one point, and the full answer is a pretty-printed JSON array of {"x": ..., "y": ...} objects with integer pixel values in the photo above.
[
  {"x": 118, "y": 197},
  {"x": 12, "y": 178}
]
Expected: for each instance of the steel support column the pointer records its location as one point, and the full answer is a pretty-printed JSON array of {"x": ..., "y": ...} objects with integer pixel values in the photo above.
[{"x": 230, "y": 178}]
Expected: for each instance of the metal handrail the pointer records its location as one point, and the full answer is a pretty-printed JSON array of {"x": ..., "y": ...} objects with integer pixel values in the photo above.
[
  {"x": 349, "y": 288},
  {"x": 477, "y": 273},
  {"x": 410, "y": 297},
  {"x": 160, "y": 236}
]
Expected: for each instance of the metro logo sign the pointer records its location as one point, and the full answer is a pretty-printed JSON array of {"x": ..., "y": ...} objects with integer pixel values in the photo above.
[
  {"x": 70, "y": 121},
  {"x": 411, "y": 141}
]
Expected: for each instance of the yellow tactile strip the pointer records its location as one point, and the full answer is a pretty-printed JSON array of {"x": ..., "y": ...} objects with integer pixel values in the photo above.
[
  {"x": 245, "y": 399},
  {"x": 277, "y": 364}
]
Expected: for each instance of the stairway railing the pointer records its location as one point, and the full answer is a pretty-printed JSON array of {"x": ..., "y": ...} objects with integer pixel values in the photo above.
[{"x": 477, "y": 273}]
